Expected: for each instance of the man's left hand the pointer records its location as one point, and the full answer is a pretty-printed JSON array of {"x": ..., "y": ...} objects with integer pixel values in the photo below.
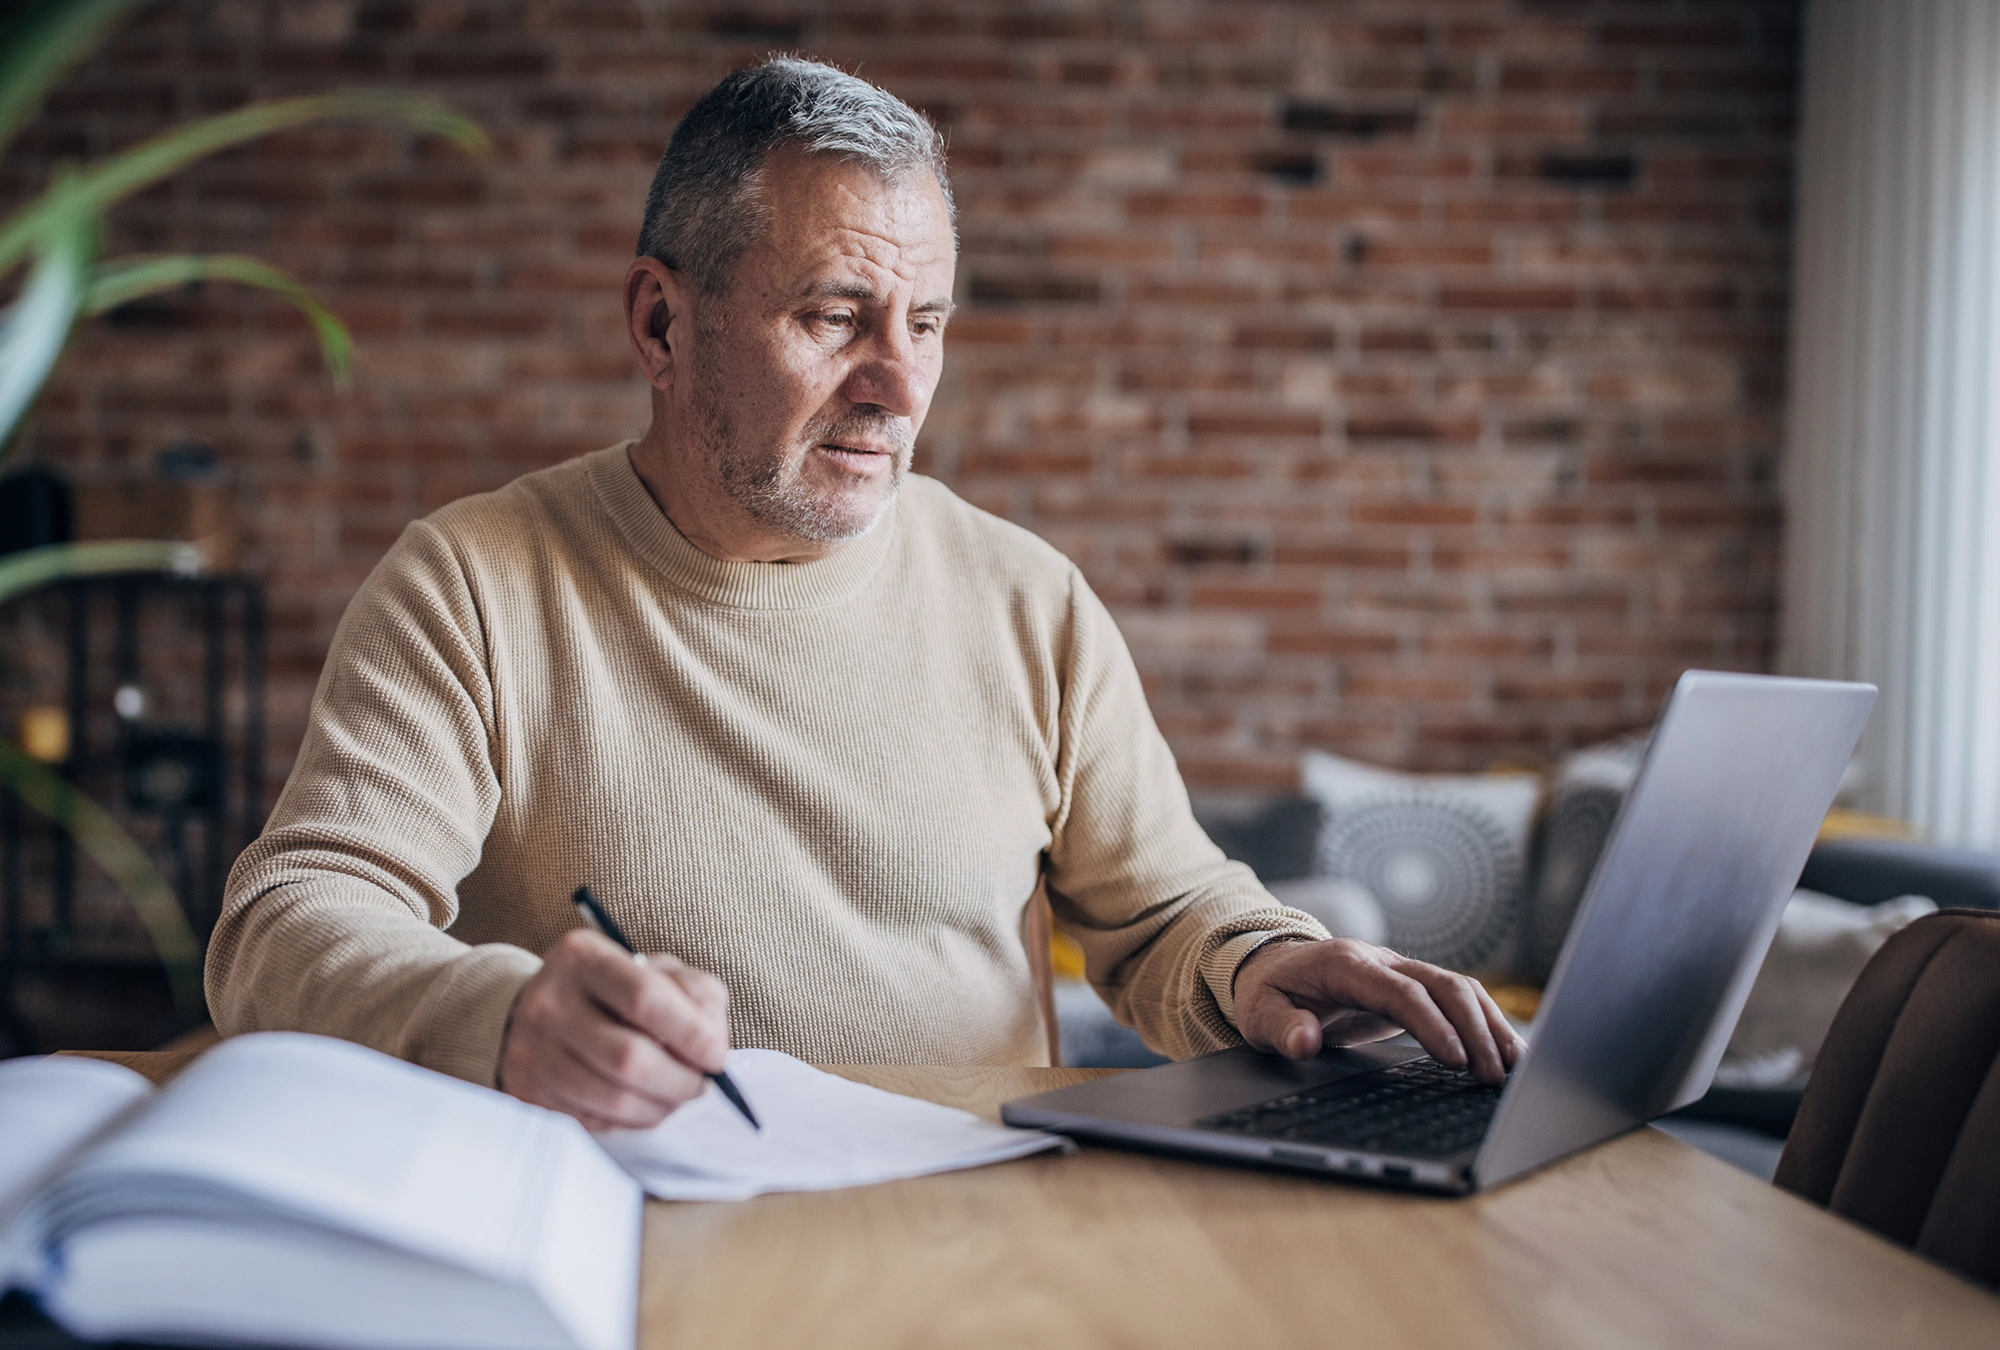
[{"x": 1295, "y": 997}]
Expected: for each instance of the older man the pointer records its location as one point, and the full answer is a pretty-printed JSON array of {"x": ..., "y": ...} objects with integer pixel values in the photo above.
[{"x": 814, "y": 729}]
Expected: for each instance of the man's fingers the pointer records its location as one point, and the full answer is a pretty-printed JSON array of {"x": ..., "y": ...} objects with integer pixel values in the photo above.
[
  {"x": 1408, "y": 1002},
  {"x": 566, "y": 1082},
  {"x": 656, "y": 1003},
  {"x": 572, "y": 1086},
  {"x": 699, "y": 985},
  {"x": 1458, "y": 998},
  {"x": 630, "y": 1062},
  {"x": 1509, "y": 1040},
  {"x": 614, "y": 1041}
]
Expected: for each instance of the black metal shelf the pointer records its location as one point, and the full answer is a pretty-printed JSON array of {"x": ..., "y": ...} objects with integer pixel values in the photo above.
[{"x": 193, "y": 783}]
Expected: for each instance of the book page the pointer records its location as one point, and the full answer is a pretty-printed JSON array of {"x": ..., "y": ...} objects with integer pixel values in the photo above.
[
  {"x": 203, "y": 1284},
  {"x": 50, "y": 1108},
  {"x": 820, "y": 1133},
  {"x": 311, "y": 1129},
  {"x": 275, "y": 1134}
]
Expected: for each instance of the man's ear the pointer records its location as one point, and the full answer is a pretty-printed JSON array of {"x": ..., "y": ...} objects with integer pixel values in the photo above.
[{"x": 658, "y": 317}]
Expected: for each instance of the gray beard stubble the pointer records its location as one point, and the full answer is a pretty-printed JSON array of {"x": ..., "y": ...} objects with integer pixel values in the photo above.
[{"x": 769, "y": 487}]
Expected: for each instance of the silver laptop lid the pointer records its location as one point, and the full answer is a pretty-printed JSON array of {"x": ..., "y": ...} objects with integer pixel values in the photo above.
[{"x": 1679, "y": 911}]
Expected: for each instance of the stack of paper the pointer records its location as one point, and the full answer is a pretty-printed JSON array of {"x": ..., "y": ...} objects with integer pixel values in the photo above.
[{"x": 820, "y": 1133}]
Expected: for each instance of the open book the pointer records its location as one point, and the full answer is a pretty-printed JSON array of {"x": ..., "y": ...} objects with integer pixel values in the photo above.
[{"x": 295, "y": 1190}]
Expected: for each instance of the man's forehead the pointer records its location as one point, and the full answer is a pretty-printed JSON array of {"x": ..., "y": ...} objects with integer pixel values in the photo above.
[{"x": 831, "y": 223}]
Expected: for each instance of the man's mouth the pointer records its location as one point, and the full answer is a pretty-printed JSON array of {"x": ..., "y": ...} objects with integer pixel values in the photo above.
[{"x": 854, "y": 456}]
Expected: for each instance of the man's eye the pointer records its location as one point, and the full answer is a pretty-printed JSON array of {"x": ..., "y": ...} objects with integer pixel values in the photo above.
[{"x": 836, "y": 319}]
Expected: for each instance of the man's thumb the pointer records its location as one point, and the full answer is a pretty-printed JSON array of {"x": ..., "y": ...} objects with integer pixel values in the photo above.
[{"x": 1284, "y": 1027}]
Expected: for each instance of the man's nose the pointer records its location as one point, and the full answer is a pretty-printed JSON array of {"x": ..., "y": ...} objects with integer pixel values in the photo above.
[{"x": 891, "y": 376}]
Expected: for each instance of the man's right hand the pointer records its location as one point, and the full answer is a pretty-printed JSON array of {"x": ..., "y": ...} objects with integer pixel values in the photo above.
[{"x": 616, "y": 1042}]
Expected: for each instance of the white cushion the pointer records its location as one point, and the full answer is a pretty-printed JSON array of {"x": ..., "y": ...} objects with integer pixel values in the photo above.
[
  {"x": 1347, "y": 909},
  {"x": 1821, "y": 945}
]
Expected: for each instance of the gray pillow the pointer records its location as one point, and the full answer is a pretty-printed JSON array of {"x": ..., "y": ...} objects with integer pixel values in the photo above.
[
  {"x": 1445, "y": 856},
  {"x": 1584, "y": 798}
]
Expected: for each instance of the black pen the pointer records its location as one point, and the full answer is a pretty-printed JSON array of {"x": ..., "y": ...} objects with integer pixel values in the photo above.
[{"x": 594, "y": 915}]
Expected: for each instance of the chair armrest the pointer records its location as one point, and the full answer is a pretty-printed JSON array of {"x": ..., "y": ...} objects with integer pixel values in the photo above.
[
  {"x": 1766, "y": 1110},
  {"x": 1869, "y": 871}
]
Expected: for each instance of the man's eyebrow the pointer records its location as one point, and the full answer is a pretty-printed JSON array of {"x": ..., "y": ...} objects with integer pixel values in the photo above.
[
  {"x": 858, "y": 290},
  {"x": 839, "y": 290}
]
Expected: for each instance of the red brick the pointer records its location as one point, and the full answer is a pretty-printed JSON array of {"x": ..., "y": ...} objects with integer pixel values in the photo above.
[
  {"x": 1025, "y": 463},
  {"x": 1287, "y": 336},
  {"x": 1495, "y": 558},
  {"x": 1509, "y": 298},
  {"x": 1247, "y": 597},
  {"x": 1408, "y": 254},
  {"x": 1486, "y": 646},
  {"x": 1371, "y": 166},
  {"x": 1412, "y": 513},
  {"x": 1323, "y": 642},
  {"x": 1210, "y": 465},
  {"x": 1393, "y": 557},
  {"x": 1194, "y": 206},
  {"x": 1525, "y": 77},
  {"x": 1459, "y": 430},
  {"x": 1406, "y": 687},
  {"x": 1254, "y": 424},
  {"x": 1670, "y": 36}
]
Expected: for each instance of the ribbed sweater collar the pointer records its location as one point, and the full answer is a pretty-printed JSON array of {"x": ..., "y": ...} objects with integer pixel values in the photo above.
[{"x": 737, "y": 585}]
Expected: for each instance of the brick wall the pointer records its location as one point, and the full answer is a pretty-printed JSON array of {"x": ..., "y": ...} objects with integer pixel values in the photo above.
[{"x": 1404, "y": 373}]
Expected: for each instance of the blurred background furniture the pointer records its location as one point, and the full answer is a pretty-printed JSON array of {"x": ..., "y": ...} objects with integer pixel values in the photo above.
[
  {"x": 160, "y": 720},
  {"x": 1900, "y": 1128}
]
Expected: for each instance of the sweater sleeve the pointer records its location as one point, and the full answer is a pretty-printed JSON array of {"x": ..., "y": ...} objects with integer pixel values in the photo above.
[
  {"x": 1164, "y": 919},
  {"x": 333, "y": 920}
]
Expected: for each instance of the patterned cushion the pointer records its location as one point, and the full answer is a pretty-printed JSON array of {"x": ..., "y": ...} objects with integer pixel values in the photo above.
[
  {"x": 1444, "y": 856},
  {"x": 1584, "y": 798}
]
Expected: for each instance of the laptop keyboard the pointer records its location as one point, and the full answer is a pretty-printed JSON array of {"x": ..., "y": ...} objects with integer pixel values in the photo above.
[{"x": 1418, "y": 1108}]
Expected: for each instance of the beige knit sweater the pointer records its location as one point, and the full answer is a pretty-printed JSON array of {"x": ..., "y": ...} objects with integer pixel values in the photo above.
[{"x": 834, "y": 784}]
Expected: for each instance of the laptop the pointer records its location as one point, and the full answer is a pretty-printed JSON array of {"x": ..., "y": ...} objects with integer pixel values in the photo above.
[{"x": 1668, "y": 937}]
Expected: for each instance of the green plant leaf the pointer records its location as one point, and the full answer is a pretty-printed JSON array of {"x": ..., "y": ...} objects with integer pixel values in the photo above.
[
  {"x": 127, "y": 279},
  {"x": 109, "y": 181},
  {"x": 38, "y": 47},
  {"x": 33, "y": 568},
  {"x": 120, "y": 856},
  {"x": 37, "y": 326}
]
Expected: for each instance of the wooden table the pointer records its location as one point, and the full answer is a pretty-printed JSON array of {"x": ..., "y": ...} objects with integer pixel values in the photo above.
[{"x": 1641, "y": 1242}]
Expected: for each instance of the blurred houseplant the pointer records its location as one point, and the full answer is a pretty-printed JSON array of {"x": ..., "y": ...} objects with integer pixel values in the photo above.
[{"x": 54, "y": 239}]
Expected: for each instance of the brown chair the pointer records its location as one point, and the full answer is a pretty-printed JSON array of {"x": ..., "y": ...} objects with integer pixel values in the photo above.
[{"x": 1900, "y": 1127}]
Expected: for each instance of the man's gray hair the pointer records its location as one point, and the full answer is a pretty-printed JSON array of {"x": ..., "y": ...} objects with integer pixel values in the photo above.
[{"x": 705, "y": 207}]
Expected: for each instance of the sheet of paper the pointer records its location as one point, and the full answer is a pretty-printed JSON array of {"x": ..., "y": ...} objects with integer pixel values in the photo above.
[{"x": 820, "y": 1133}]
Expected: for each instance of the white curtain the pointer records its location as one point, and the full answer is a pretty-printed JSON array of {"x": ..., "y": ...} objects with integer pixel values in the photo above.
[{"x": 1892, "y": 472}]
